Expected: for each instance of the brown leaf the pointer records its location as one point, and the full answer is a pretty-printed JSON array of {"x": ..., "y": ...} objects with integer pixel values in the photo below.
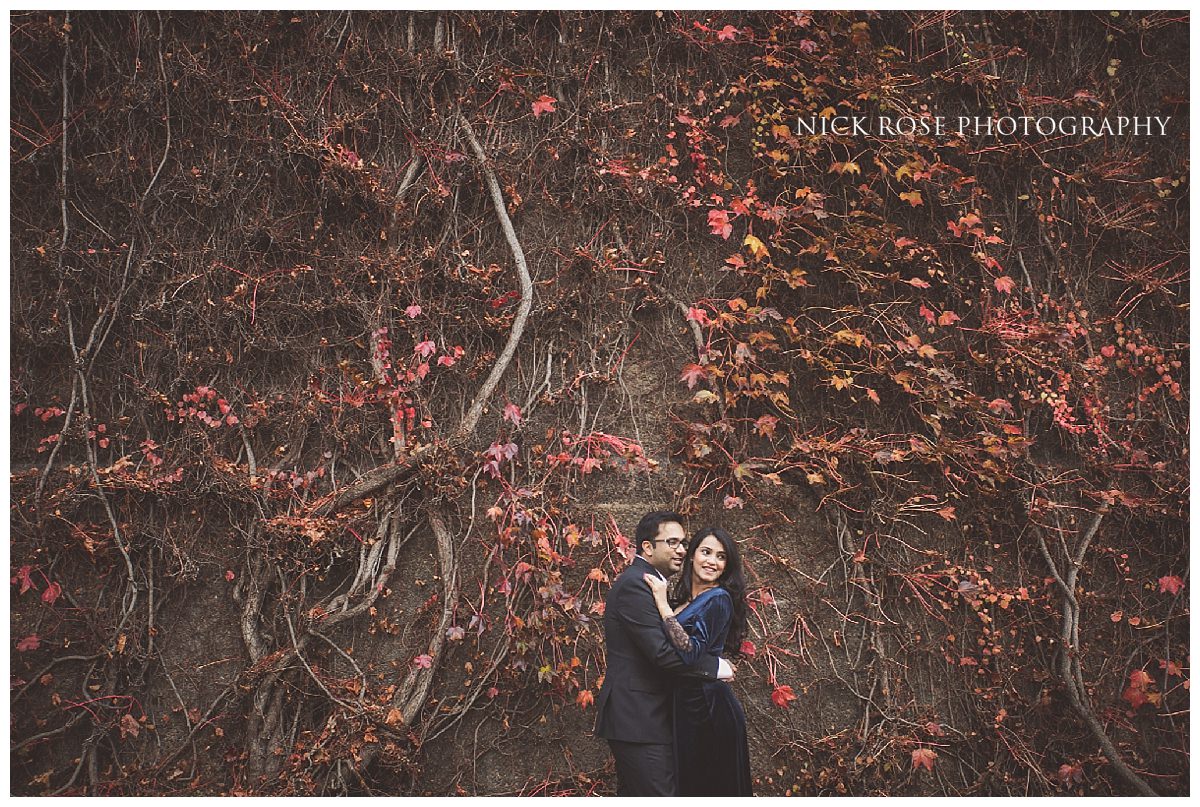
[{"x": 129, "y": 726}]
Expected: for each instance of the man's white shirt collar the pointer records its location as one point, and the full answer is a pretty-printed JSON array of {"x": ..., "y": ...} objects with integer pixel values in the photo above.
[{"x": 652, "y": 568}]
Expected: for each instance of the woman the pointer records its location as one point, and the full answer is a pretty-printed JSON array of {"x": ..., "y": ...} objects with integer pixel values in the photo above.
[{"x": 712, "y": 757}]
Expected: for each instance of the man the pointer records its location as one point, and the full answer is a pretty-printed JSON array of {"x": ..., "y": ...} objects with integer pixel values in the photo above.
[{"x": 634, "y": 709}]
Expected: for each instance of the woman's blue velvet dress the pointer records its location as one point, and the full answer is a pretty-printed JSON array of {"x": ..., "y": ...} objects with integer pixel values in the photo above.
[{"x": 712, "y": 756}]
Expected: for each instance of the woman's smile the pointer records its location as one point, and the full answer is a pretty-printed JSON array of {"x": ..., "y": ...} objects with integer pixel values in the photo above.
[{"x": 708, "y": 564}]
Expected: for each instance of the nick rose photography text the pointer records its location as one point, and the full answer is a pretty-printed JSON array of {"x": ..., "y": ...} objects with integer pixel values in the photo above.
[{"x": 1006, "y": 126}]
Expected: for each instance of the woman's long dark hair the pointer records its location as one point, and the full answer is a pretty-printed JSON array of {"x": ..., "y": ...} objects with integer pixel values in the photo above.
[{"x": 732, "y": 580}]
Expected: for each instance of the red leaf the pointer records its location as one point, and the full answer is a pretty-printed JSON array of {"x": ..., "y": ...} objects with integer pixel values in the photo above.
[
  {"x": 424, "y": 661},
  {"x": 52, "y": 593},
  {"x": 22, "y": 577},
  {"x": 748, "y": 648},
  {"x": 512, "y": 413},
  {"x": 693, "y": 373},
  {"x": 918, "y": 282},
  {"x": 413, "y": 311},
  {"x": 229, "y": 575},
  {"x": 718, "y": 220},
  {"x": 728, "y": 33},
  {"x": 1108, "y": 351},
  {"x": 1004, "y": 284},
  {"x": 930, "y": 317},
  {"x": 584, "y": 698},
  {"x": 426, "y": 348},
  {"x": 782, "y": 696},
  {"x": 923, "y": 758},
  {"x": 543, "y": 104},
  {"x": 30, "y": 642},
  {"x": 1170, "y": 584},
  {"x": 697, "y": 315}
]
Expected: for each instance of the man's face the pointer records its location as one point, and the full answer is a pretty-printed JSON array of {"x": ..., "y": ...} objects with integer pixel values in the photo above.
[{"x": 662, "y": 555}]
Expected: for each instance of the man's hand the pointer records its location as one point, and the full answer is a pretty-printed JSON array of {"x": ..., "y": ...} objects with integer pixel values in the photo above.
[{"x": 725, "y": 669}]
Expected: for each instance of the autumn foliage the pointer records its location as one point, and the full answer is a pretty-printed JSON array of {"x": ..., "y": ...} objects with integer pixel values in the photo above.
[{"x": 348, "y": 347}]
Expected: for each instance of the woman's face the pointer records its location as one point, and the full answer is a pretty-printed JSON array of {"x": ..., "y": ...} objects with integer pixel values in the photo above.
[{"x": 708, "y": 564}]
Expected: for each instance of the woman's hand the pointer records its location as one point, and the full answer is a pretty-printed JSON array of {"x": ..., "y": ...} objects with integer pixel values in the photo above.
[{"x": 658, "y": 587}]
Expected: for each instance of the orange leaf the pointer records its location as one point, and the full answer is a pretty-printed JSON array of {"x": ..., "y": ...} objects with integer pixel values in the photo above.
[
  {"x": 912, "y": 197},
  {"x": 1136, "y": 697},
  {"x": 584, "y": 698}
]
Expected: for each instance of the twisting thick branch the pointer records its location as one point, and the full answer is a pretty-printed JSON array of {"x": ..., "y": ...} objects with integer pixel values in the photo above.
[
  {"x": 475, "y": 411},
  {"x": 413, "y": 693},
  {"x": 1069, "y": 667}
]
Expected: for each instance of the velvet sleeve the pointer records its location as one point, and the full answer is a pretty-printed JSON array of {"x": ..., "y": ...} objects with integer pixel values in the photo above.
[
  {"x": 635, "y": 607},
  {"x": 705, "y": 629}
]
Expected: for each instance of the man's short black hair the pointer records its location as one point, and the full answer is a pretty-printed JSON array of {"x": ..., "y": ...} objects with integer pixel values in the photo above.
[{"x": 647, "y": 528}]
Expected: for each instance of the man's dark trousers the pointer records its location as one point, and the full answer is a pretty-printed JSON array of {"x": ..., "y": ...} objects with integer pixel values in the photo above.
[{"x": 644, "y": 769}]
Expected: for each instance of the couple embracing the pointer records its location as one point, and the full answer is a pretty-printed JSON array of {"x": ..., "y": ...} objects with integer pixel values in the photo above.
[{"x": 666, "y": 709}]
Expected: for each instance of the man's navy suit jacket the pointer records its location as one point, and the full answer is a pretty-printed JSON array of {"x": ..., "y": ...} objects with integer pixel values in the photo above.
[{"x": 635, "y": 700}]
